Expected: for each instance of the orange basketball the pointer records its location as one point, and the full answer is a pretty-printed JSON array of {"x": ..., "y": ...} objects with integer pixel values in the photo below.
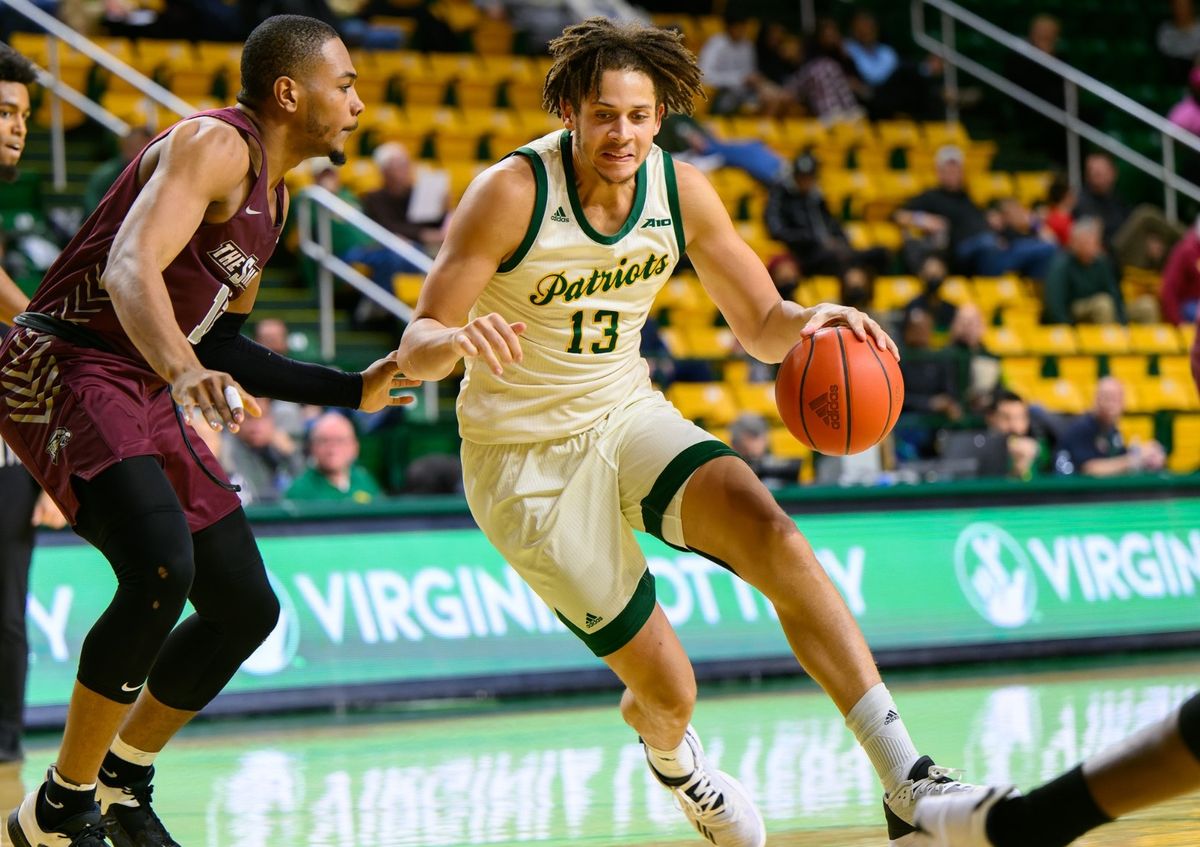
[{"x": 839, "y": 395}]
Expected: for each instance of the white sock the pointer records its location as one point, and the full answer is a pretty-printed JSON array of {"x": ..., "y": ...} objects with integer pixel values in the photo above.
[
  {"x": 59, "y": 779},
  {"x": 875, "y": 722},
  {"x": 131, "y": 754},
  {"x": 672, "y": 763}
]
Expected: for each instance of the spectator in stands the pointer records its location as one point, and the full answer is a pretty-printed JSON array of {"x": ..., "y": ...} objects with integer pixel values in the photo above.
[
  {"x": 798, "y": 215},
  {"x": 690, "y": 141},
  {"x": 949, "y": 219},
  {"x": 1093, "y": 445},
  {"x": 1059, "y": 207},
  {"x": 823, "y": 88},
  {"x": 1186, "y": 113},
  {"x": 728, "y": 63},
  {"x": 291, "y": 418},
  {"x": 1046, "y": 135},
  {"x": 785, "y": 273},
  {"x": 106, "y": 174},
  {"x": 875, "y": 62},
  {"x": 1007, "y": 415},
  {"x": 775, "y": 52},
  {"x": 856, "y": 288},
  {"x": 1081, "y": 286},
  {"x": 392, "y": 205},
  {"x": 261, "y": 457},
  {"x": 1140, "y": 238},
  {"x": 978, "y": 371},
  {"x": 827, "y": 42},
  {"x": 750, "y": 437},
  {"x": 1180, "y": 293},
  {"x": 333, "y": 472},
  {"x": 1179, "y": 38},
  {"x": 930, "y": 378},
  {"x": 932, "y": 274}
]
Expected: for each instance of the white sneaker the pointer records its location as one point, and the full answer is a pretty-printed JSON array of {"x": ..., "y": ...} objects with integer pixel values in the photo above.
[
  {"x": 957, "y": 820},
  {"x": 717, "y": 804},
  {"x": 82, "y": 830},
  {"x": 924, "y": 780}
]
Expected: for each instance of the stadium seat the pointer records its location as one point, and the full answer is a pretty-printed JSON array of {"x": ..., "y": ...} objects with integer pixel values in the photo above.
[
  {"x": 711, "y": 402},
  {"x": 708, "y": 342},
  {"x": 1003, "y": 341},
  {"x": 1031, "y": 186},
  {"x": 1176, "y": 367},
  {"x": 1061, "y": 396},
  {"x": 1107, "y": 339},
  {"x": 407, "y": 287},
  {"x": 1129, "y": 369},
  {"x": 1153, "y": 338},
  {"x": 757, "y": 397},
  {"x": 895, "y": 292},
  {"x": 1136, "y": 429},
  {"x": 1021, "y": 373},
  {"x": 1185, "y": 444},
  {"x": 785, "y": 446},
  {"x": 1056, "y": 340},
  {"x": 995, "y": 292},
  {"x": 1081, "y": 370},
  {"x": 1187, "y": 334},
  {"x": 1164, "y": 394}
]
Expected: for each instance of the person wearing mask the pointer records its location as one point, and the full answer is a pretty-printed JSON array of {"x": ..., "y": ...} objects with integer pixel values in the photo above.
[{"x": 930, "y": 301}]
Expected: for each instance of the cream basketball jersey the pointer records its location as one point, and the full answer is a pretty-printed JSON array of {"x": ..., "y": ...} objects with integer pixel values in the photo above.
[{"x": 584, "y": 297}]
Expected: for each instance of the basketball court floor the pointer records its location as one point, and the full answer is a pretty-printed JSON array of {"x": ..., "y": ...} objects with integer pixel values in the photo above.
[{"x": 568, "y": 772}]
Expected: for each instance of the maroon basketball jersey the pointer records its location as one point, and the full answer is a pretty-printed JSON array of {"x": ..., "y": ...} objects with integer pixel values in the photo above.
[{"x": 217, "y": 264}]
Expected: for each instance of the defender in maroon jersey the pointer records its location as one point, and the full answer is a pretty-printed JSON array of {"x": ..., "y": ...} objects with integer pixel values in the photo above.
[{"x": 140, "y": 315}]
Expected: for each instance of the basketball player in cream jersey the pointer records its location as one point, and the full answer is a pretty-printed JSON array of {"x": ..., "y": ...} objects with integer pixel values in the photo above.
[{"x": 548, "y": 273}]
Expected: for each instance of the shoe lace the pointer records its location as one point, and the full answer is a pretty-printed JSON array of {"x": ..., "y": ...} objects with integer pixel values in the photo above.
[
  {"x": 938, "y": 780},
  {"x": 91, "y": 835},
  {"x": 704, "y": 800},
  {"x": 143, "y": 794}
]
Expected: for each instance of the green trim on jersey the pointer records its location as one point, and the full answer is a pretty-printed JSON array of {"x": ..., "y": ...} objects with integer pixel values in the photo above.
[
  {"x": 635, "y": 214},
  {"x": 539, "y": 208},
  {"x": 675, "y": 474},
  {"x": 673, "y": 201},
  {"x": 620, "y": 630}
]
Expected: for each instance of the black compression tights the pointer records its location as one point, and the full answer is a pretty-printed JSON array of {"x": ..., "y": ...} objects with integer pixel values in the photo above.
[{"x": 132, "y": 515}]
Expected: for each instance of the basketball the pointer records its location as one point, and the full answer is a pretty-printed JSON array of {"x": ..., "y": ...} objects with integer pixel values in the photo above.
[{"x": 839, "y": 395}]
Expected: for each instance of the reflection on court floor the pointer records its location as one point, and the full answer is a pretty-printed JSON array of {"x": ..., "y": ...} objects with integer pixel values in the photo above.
[{"x": 577, "y": 776}]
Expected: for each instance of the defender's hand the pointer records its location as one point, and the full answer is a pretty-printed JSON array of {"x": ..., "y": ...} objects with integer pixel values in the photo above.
[
  {"x": 492, "y": 338},
  {"x": 218, "y": 399},
  {"x": 383, "y": 384},
  {"x": 861, "y": 324}
]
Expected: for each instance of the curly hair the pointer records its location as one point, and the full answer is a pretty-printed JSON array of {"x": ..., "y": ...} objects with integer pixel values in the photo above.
[
  {"x": 14, "y": 67},
  {"x": 586, "y": 50}
]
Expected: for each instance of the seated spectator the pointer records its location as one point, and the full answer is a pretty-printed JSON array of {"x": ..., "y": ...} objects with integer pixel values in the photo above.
[
  {"x": 930, "y": 378},
  {"x": 1140, "y": 238},
  {"x": 333, "y": 472},
  {"x": 1046, "y": 134},
  {"x": 949, "y": 219},
  {"x": 932, "y": 274},
  {"x": 978, "y": 370},
  {"x": 798, "y": 215},
  {"x": 106, "y": 174},
  {"x": 1179, "y": 38},
  {"x": 1180, "y": 293},
  {"x": 1093, "y": 445},
  {"x": 876, "y": 63},
  {"x": 689, "y": 141},
  {"x": 749, "y": 436},
  {"x": 1186, "y": 113},
  {"x": 1059, "y": 208},
  {"x": 392, "y": 206},
  {"x": 824, "y": 89},
  {"x": 261, "y": 457},
  {"x": 1081, "y": 286},
  {"x": 775, "y": 52},
  {"x": 291, "y": 418},
  {"x": 1008, "y": 415},
  {"x": 728, "y": 63},
  {"x": 856, "y": 288}
]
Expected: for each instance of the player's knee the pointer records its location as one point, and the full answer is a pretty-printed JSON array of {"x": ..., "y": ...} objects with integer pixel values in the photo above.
[
  {"x": 160, "y": 582},
  {"x": 261, "y": 622}
]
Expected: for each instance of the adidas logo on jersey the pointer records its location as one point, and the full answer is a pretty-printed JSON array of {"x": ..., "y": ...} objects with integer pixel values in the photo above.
[
  {"x": 560, "y": 216},
  {"x": 826, "y": 408},
  {"x": 590, "y": 620}
]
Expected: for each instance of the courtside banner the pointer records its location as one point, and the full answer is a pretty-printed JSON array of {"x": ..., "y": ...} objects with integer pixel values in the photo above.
[{"x": 441, "y": 604}]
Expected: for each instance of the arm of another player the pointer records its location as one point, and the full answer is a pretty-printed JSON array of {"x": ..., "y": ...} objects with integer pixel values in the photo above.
[
  {"x": 12, "y": 299},
  {"x": 487, "y": 227},
  {"x": 201, "y": 162},
  {"x": 766, "y": 325}
]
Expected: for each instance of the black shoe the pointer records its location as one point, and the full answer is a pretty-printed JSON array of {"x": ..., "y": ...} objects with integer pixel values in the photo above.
[
  {"x": 128, "y": 817},
  {"x": 83, "y": 830}
]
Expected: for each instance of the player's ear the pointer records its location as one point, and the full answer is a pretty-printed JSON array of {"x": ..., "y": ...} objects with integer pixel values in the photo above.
[
  {"x": 567, "y": 112},
  {"x": 287, "y": 93}
]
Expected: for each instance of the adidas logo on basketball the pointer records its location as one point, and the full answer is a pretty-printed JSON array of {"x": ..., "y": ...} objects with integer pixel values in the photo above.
[
  {"x": 826, "y": 408},
  {"x": 590, "y": 620}
]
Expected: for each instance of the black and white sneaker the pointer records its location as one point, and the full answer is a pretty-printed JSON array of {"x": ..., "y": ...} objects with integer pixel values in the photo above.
[
  {"x": 82, "y": 830},
  {"x": 128, "y": 817},
  {"x": 718, "y": 805},
  {"x": 924, "y": 780}
]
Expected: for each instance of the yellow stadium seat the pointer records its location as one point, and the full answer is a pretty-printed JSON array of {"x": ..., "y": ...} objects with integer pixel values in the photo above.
[
  {"x": 818, "y": 289},
  {"x": 492, "y": 36},
  {"x": 1004, "y": 341},
  {"x": 708, "y": 342},
  {"x": 1061, "y": 396},
  {"x": 1081, "y": 370},
  {"x": 1021, "y": 373},
  {"x": 785, "y": 446},
  {"x": 1031, "y": 186},
  {"x": 1166, "y": 394},
  {"x": 898, "y": 133},
  {"x": 938, "y": 133},
  {"x": 858, "y": 234},
  {"x": 886, "y": 234},
  {"x": 1129, "y": 369},
  {"x": 736, "y": 372},
  {"x": 711, "y": 402},
  {"x": 1108, "y": 339},
  {"x": 803, "y": 132},
  {"x": 1056, "y": 340},
  {"x": 990, "y": 185},
  {"x": 757, "y": 397},
  {"x": 407, "y": 287},
  {"x": 1185, "y": 444},
  {"x": 895, "y": 292},
  {"x": 1136, "y": 429},
  {"x": 1154, "y": 338},
  {"x": 34, "y": 46},
  {"x": 994, "y": 292},
  {"x": 1176, "y": 367},
  {"x": 956, "y": 290},
  {"x": 476, "y": 93}
]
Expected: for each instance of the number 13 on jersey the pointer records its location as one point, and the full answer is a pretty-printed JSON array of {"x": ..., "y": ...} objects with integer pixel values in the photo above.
[{"x": 608, "y": 322}]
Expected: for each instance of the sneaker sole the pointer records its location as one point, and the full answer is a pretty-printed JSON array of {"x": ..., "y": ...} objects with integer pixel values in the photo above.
[
  {"x": 14, "y": 831},
  {"x": 762, "y": 826}
]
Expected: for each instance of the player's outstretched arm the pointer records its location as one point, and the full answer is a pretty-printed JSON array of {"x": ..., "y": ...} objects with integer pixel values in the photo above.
[
  {"x": 766, "y": 325},
  {"x": 487, "y": 228},
  {"x": 12, "y": 299},
  {"x": 199, "y": 164}
]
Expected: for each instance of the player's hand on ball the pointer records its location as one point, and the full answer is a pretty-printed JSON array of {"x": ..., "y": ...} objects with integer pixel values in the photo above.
[
  {"x": 860, "y": 323},
  {"x": 384, "y": 385},
  {"x": 493, "y": 339}
]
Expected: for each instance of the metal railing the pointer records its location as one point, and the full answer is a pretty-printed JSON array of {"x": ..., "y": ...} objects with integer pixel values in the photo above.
[
  {"x": 51, "y": 80},
  {"x": 317, "y": 210},
  {"x": 943, "y": 45}
]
